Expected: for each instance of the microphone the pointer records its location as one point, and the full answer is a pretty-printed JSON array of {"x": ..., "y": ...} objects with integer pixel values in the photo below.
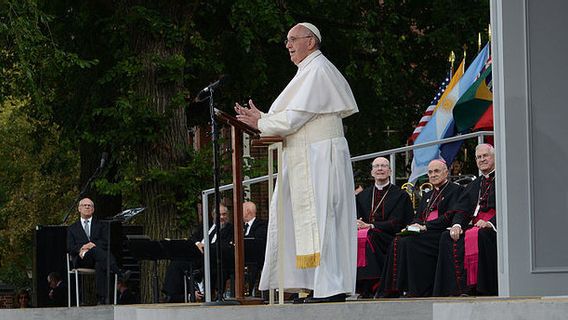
[
  {"x": 104, "y": 158},
  {"x": 204, "y": 93}
]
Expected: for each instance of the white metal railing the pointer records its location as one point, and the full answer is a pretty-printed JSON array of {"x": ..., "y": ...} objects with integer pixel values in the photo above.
[{"x": 480, "y": 135}]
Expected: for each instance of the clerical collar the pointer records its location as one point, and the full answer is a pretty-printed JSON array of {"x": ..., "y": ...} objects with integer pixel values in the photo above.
[
  {"x": 490, "y": 174},
  {"x": 308, "y": 59},
  {"x": 442, "y": 185},
  {"x": 381, "y": 186}
]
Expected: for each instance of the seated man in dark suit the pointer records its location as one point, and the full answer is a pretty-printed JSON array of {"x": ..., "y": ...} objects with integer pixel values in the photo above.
[
  {"x": 255, "y": 231},
  {"x": 87, "y": 243},
  {"x": 173, "y": 281}
]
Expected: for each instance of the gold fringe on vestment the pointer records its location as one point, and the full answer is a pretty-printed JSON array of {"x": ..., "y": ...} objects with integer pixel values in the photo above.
[{"x": 308, "y": 261}]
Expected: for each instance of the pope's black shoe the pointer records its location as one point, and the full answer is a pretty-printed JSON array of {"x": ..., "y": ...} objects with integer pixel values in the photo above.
[
  {"x": 335, "y": 298},
  {"x": 297, "y": 300}
]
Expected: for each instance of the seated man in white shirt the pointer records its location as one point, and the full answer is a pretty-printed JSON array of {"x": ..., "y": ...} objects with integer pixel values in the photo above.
[
  {"x": 87, "y": 244},
  {"x": 173, "y": 281}
]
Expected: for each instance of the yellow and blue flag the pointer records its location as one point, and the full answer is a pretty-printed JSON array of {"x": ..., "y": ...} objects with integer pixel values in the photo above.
[{"x": 443, "y": 120}]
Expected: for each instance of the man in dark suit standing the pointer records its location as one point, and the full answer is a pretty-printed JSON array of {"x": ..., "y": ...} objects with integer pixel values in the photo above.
[{"x": 87, "y": 243}]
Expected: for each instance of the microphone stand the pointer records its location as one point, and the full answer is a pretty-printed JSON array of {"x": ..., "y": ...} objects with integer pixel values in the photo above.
[{"x": 216, "y": 176}]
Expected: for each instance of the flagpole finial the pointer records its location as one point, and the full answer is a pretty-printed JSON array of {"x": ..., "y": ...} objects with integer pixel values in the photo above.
[
  {"x": 464, "y": 51},
  {"x": 451, "y": 60},
  {"x": 479, "y": 41}
]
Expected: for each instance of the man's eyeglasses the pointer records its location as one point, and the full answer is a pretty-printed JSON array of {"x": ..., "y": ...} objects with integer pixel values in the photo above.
[
  {"x": 293, "y": 39},
  {"x": 377, "y": 166},
  {"x": 86, "y": 205}
]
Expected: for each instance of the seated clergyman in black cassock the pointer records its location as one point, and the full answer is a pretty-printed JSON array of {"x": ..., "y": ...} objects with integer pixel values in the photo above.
[
  {"x": 411, "y": 263},
  {"x": 382, "y": 210},
  {"x": 467, "y": 262}
]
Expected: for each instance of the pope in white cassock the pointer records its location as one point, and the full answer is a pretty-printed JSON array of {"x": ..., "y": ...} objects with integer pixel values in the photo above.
[{"x": 317, "y": 181}]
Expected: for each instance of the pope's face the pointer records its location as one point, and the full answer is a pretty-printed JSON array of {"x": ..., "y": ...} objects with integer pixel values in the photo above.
[{"x": 300, "y": 43}]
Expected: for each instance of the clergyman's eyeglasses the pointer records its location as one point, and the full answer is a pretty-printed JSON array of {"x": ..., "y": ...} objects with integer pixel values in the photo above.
[{"x": 293, "y": 39}]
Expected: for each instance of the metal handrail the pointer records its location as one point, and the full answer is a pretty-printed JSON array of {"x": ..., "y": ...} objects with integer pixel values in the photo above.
[
  {"x": 367, "y": 156},
  {"x": 391, "y": 153},
  {"x": 466, "y": 136}
]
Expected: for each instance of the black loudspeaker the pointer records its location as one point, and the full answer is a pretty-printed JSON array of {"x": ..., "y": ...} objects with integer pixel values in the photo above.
[{"x": 49, "y": 254}]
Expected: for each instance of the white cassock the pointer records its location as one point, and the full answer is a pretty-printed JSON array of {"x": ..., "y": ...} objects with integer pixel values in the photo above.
[{"x": 317, "y": 183}]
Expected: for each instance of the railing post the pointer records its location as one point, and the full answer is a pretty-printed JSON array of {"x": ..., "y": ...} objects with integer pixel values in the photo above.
[
  {"x": 392, "y": 159},
  {"x": 206, "y": 262}
]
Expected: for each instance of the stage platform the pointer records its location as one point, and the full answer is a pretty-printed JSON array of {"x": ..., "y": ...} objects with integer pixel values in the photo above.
[{"x": 398, "y": 309}]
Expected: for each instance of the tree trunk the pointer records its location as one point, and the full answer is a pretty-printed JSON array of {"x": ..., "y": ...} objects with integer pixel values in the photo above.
[{"x": 167, "y": 151}]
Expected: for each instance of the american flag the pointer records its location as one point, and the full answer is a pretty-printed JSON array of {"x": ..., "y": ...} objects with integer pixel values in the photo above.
[{"x": 430, "y": 110}]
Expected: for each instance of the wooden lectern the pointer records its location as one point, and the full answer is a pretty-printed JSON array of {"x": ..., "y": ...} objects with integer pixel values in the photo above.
[{"x": 237, "y": 130}]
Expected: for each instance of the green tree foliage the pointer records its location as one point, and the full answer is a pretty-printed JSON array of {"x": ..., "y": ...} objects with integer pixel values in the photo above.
[
  {"x": 36, "y": 165},
  {"x": 35, "y": 185}
]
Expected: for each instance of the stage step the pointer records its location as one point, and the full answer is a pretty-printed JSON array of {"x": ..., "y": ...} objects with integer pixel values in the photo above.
[{"x": 396, "y": 309}]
